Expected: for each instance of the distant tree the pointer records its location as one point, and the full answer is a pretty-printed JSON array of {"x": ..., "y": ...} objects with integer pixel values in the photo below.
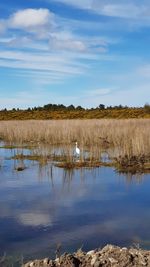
[
  {"x": 120, "y": 107},
  {"x": 109, "y": 107},
  {"x": 147, "y": 107},
  {"x": 79, "y": 108},
  {"x": 71, "y": 107},
  {"x": 101, "y": 106},
  {"x": 61, "y": 107},
  {"x": 39, "y": 108},
  {"x": 126, "y": 107},
  {"x": 48, "y": 106}
]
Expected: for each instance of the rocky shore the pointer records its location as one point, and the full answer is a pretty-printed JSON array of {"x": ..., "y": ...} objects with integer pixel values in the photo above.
[{"x": 109, "y": 256}]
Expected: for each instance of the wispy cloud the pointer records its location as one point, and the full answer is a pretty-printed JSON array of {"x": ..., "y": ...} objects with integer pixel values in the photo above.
[
  {"x": 39, "y": 61},
  {"x": 66, "y": 41},
  {"x": 23, "y": 42},
  {"x": 114, "y": 8},
  {"x": 99, "y": 92},
  {"x": 42, "y": 44}
]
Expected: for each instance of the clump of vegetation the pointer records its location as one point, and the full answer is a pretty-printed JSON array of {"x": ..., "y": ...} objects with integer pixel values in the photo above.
[
  {"x": 20, "y": 168},
  {"x": 123, "y": 140},
  {"x": 79, "y": 164},
  {"x": 133, "y": 164},
  {"x": 41, "y": 158}
]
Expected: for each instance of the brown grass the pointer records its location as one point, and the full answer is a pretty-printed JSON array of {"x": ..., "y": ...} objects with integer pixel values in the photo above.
[{"x": 120, "y": 138}]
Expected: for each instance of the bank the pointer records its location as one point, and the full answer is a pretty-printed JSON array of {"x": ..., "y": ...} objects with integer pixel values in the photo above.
[{"x": 109, "y": 256}]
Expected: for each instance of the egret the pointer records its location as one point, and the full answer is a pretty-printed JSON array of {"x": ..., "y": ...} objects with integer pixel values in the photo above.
[{"x": 77, "y": 150}]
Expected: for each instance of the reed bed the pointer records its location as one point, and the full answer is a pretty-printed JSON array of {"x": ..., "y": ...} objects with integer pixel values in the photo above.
[{"x": 130, "y": 137}]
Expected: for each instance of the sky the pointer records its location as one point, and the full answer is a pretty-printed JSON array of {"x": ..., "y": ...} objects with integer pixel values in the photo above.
[{"x": 80, "y": 52}]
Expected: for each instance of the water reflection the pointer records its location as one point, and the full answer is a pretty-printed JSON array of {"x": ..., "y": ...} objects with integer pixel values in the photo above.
[
  {"x": 134, "y": 178},
  {"x": 41, "y": 207}
]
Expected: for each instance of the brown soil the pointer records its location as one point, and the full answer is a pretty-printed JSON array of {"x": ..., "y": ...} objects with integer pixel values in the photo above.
[{"x": 109, "y": 256}]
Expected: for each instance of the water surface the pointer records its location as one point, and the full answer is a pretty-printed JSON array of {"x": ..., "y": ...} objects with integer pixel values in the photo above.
[{"x": 42, "y": 207}]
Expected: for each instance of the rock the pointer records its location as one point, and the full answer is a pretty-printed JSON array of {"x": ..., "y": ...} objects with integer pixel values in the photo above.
[
  {"x": 94, "y": 259},
  {"x": 90, "y": 253},
  {"x": 57, "y": 260},
  {"x": 124, "y": 248},
  {"x": 97, "y": 263},
  {"x": 112, "y": 260},
  {"x": 27, "y": 264},
  {"x": 46, "y": 262},
  {"x": 109, "y": 256}
]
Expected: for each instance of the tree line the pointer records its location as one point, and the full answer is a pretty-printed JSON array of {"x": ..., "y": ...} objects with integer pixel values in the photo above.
[
  {"x": 60, "y": 111},
  {"x": 59, "y": 107}
]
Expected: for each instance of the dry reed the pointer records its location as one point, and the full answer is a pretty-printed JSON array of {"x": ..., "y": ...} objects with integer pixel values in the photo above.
[{"x": 128, "y": 138}]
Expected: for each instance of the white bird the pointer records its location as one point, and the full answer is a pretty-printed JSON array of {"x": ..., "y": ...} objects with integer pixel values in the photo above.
[{"x": 77, "y": 150}]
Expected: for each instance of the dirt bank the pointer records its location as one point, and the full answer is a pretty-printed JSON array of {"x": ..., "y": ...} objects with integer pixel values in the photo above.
[{"x": 109, "y": 256}]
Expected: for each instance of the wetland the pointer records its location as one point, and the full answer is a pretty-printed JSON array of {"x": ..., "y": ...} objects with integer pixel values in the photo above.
[{"x": 49, "y": 196}]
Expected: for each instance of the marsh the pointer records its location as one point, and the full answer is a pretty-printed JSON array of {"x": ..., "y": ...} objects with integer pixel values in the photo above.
[
  {"x": 42, "y": 205},
  {"x": 45, "y": 206}
]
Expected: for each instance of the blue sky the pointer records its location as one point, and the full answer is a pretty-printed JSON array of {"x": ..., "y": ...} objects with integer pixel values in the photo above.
[{"x": 74, "y": 52}]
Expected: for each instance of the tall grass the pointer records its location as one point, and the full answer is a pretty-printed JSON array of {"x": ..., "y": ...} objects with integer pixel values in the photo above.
[{"x": 130, "y": 137}]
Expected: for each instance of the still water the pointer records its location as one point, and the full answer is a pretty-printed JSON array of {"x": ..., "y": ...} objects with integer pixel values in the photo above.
[{"x": 88, "y": 208}]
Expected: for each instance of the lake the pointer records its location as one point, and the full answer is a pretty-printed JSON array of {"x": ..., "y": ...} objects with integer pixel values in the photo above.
[{"x": 42, "y": 207}]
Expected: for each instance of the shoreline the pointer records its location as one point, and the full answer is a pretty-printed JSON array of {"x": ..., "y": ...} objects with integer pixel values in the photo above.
[{"x": 108, "y": 256}]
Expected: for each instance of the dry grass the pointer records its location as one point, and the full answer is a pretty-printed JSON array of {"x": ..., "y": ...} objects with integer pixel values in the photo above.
[{"x": 120, "y": 138}]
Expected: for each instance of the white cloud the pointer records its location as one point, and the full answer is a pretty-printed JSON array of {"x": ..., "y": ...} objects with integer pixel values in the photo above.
[
  {"x": 70, "y": 45},
  {"x": 66, "y": 41},
  {"x": 37, "y": 22},
  {"x": 30, "y": 18},
  {"x": 42, "y": 27}
]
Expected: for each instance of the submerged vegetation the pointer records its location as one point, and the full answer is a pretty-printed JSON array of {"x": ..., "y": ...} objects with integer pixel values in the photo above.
[{"x": 126, "y": 143}]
